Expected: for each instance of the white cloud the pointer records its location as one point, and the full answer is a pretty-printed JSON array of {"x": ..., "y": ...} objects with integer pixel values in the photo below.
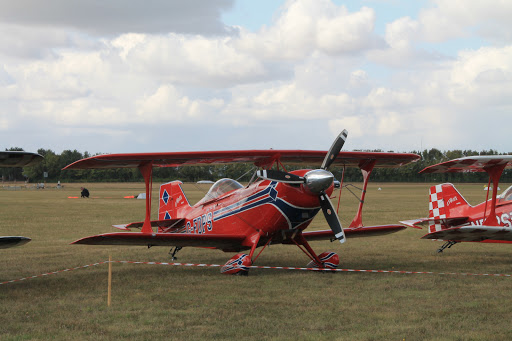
[
  {"x": 167, "y": 105},
  {"x": 119, "y": 16},
  {"x": 22, "y": 42},
  {"x": 309, "y": 25},
  {"x": 353, "y": 124},
  {"x": 401, "y": 33},
  {"x": 457, "y": 18},
  {"x": 318, "y": 67}
]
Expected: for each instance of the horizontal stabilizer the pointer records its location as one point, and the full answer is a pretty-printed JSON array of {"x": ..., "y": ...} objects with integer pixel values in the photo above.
[
  {"x": 154, "y": 223},
  {"x": 474, "y": 233},
  {"x": 414, "y": 222},
  {"x": 122, "y": 227},
  {"x": 363, "y": 231},
  {"x": 164, "y": 239},
  {"x": 11, "y": 241},
  {"x": 446, "y": 222}
]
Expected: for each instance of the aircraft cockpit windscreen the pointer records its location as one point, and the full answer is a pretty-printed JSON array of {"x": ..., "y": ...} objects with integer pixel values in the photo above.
[
  {"x": 220, "y": 188},
  {"x": 506, "y": 195}
]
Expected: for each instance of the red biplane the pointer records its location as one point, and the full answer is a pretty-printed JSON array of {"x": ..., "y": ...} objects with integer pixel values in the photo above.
[
  {"x": 17, "y": 159},
  {"x": 452, "y": 219},
  {"x": 275, "y": 207}
]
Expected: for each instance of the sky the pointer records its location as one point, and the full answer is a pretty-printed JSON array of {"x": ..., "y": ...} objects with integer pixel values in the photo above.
[{"x": 126, "y": 76}]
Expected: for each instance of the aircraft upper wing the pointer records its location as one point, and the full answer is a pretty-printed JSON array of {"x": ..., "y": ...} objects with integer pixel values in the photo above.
[
  {"x": 470, "y": 164},
  {"x": 474, "y": 233},
  {"x": 19, "y": 159},
  {"x": 260, "y": 158}
]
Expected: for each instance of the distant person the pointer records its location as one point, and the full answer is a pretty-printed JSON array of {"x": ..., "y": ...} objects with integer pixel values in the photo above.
[{"x": 85, "y": 192}]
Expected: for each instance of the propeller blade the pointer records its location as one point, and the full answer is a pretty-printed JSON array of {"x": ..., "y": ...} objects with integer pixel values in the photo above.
[
  {"x": 332, "y": 217},
  {"x": 275, "y": 175},
  {"x": 335, "y": 149}
]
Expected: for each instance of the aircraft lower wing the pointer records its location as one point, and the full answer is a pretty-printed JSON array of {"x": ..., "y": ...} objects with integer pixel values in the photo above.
[
  {"x": 481, "y": 233},
  {"x": 224, "y": 242},
  {"x": 164, "y": 239},
  {"x": 364, "y": 231},
  {"x": 11, "y": 241}
]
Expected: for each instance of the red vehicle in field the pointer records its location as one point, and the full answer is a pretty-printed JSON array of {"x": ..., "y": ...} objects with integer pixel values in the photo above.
[
  {"x": 452, "y": 219},
  {"x": 275, "y": 207}
]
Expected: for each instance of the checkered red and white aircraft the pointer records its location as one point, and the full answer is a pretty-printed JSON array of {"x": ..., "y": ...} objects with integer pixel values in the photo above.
[
  {"x": 17, "y": 159},
  {"x": 452, "y": 219},
  {"x": 275, "y": 207}
]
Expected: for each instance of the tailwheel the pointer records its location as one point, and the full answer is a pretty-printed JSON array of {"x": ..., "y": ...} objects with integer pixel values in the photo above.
[
  {"x": 238, "y": 265},
  {"x": 330, "y": 260}
]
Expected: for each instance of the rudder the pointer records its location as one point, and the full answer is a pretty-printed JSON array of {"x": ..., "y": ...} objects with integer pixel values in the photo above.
[
  {"x": 443, "y": 199},
  {"x": 171, "y": 200}
]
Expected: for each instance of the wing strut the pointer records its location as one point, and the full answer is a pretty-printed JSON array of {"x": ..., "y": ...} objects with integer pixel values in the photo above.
[
  {"x": 366, "y": 167},
  {"x": 146, "y": 170},
  {"x": 494, "y": 172},
  {"x": 341, "y": 187}
]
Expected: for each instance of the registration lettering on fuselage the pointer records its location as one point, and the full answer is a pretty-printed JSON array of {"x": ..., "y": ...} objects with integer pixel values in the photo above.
[{"x": 200, "y": 224}]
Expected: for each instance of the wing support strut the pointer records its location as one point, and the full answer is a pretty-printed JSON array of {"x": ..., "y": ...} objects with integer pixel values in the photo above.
[
  {"x": 366, "y": 167},
  {"x": 494, "y": 175},
  {"x": 341, "y": 187},
  {"x": 308, "y": 250},
  {"x": 146, "y": 170}
]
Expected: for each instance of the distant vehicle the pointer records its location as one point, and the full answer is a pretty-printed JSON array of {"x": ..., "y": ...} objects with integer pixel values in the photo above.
[
  {"x": 274, "y": 208},
  {"x": 452, "y": 219},
  {"x": 17, "y": 159}
]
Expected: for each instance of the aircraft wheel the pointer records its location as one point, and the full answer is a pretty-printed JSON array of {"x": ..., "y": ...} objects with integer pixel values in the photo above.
[
  {"x": 329, "y": 260},
  {"x": 237, "y": 265}
]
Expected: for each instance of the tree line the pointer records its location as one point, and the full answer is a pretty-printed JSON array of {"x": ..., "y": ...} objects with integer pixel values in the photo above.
[{"x": 53, "y": 163}]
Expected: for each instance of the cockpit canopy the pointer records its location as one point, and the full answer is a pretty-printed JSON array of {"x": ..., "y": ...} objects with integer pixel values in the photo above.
[{"x": 220, "y": 188}]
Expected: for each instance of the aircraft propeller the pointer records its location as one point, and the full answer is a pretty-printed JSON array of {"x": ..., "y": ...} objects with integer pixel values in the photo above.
[{"x": 316, "y": 182}]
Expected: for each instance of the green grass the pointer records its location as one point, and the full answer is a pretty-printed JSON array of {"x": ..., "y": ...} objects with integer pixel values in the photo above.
[{"x": 163, "y": 302}]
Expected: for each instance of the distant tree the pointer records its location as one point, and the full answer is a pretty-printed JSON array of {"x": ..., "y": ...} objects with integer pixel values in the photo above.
[{"x": 53, "y": 164}]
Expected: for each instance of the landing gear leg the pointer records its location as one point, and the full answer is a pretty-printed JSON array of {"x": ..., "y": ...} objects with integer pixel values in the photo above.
[
  {"x": 173, "y": 251},
  {"x": 325, "y": 260},
  {"x": 446, "y": 245}
]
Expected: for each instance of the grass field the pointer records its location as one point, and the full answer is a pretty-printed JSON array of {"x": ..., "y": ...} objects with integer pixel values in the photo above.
[{"x": 173, "y": 303}]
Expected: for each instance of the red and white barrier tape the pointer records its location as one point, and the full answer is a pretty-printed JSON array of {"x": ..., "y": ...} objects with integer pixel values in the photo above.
[
  {"x": 318, "y": 269},
  {"x": 52, "y": 273},
  {"x": 258, "y": 267}
]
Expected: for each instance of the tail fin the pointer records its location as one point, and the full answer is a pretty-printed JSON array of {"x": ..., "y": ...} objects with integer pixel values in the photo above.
[
  {"x": 443, "y": 200},
  {"x": 171, "y": 201}
]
